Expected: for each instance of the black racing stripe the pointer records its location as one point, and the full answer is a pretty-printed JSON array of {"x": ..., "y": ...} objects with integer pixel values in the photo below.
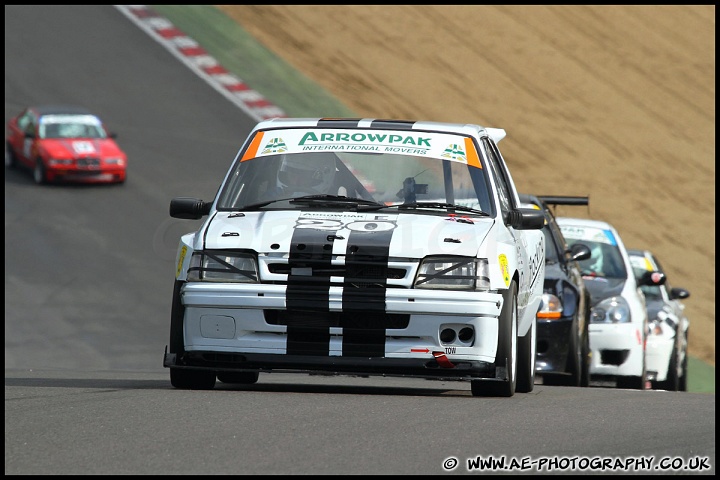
[
  {"x": 339, "y": 122},
  {"x": 363, "y": 300},
  {"x": 310, "y": 248},
  {"x": 308, "y": 341},
  {"x": 363, "y": 334},
  {"x": 393, "y": 124}
]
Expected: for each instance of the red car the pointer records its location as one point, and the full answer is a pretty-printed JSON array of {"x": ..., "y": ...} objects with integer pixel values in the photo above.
[{"x": 64, "y": 143}]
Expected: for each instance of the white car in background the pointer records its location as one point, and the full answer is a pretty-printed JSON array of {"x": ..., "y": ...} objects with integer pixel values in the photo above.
[
  {"x": 667, "y": 341},
  {"x": 618, "y": 320}
]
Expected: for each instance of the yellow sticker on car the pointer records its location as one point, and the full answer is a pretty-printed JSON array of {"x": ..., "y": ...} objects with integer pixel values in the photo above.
[
  {"x": 504, "y": 268},
  {"x": 181, "y": 259}
]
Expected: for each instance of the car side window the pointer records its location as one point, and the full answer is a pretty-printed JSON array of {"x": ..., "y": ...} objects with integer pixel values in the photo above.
[
  {"x": 500, "y": 181},
  {"x": 25, "y": 123}
]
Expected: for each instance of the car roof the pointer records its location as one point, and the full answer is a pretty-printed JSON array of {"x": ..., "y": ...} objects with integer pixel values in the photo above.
[
  {"x": 61, "y": 109},
  {"x": 584, "y": 222},
  {"x": 528, "y": 199},
  {"x": 496, "y": 134}
]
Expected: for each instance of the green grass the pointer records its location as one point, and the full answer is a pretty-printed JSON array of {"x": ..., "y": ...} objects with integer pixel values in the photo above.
[
  {"x": 298, "y": 96},
  {"x": 252, "y": 63},
  {"x": 701, "y": 376}
]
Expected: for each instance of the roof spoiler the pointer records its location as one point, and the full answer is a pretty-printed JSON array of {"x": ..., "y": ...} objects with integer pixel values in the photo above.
[
  {"x": 496, "y": 134},
  {"x": 564, "y": 200}
]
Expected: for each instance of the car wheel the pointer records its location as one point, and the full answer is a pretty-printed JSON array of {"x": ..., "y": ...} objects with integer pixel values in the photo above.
[
  {"x": 585, "y": 360},
  {"x": 506, "y": 351},
  {"x": 682, "y": 382},
  {"x": 177, "y": 315},
  {"x": 10, "y": 157},
  {"x": 39, "y": 172},
  {"x": 192, "y": 379},
  {"x": 574, "y": 362},
  {"x": 526, "y": 351},
  {"x": 574, "y": 358},
  {"x": 238, "y": 377}
]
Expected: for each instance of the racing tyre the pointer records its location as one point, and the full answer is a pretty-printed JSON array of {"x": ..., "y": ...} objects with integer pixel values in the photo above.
[
  {"x": 573, "y": 362},
  {"x": 39, "y": 174},
  {"x": 246, "y": 378},
  {"x": 177, "y": 314},
  {"x": 682, "y": 382},
  {"x": 585, "y": 360},
  {"x": 192, "y": 379},
  {"x": 526, "y": 351},
  {"x": 506, "y": 351},
  {"x": 10, "y": 157},
  {"x": 574, "y": 358}
]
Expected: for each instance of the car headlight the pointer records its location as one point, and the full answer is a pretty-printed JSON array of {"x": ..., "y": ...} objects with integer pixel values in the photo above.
[
  {"x": 550, "y": 307},
  {"x": 453, "y": 273},
  {"x": 611, "y": 310},
  {"x": 232, "y": 267},
  {"x": 115, "y": 161},
  {"x": 655, "y": 328},
  {"x": 663, "y": 322},
  {"x": 60, "y": 161}
]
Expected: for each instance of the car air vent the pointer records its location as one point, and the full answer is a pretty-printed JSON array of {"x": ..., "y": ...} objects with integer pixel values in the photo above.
[
  {"x": 369, "y": 273},
  {"x": 354, "y": 320},
  {"x": 88, "y": 162}
]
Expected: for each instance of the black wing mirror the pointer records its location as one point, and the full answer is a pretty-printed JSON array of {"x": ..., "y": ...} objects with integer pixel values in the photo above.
[
  {"x": 579, "y": 251},
  {"x": 652, "y": 278},
  {"x": 189, "y": 208},
  {"x": 677, "y": 293},
  {"x": 526, "y": 219}
]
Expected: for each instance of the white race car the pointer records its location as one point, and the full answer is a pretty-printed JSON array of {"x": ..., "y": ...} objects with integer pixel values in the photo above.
[
  {"x": 618, "y": 320},
  {"x": 360, "y": 247},
  {"x": 667, "y": 339}
]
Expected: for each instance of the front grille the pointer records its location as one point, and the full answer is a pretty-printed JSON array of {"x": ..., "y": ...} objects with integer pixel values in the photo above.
[
  {"x": 370, "y": 273},
  {"x": 613, "y": 357},
  {"x": 88, "y": 162}
]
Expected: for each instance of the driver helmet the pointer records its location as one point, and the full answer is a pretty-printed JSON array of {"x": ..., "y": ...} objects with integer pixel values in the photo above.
[
  {"x": 595, "y": 262},
  {"x": 308, "y": 173}
]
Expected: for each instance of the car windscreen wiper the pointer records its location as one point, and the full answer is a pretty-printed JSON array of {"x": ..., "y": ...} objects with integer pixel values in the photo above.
[
  {"x": 255, "y": 206},
  {"x": 448, "y": 206},
  {"x": 329, "y": 199}
]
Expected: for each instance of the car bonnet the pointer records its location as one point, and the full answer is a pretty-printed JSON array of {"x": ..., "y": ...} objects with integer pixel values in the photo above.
[
  {"x": 401, "y": 234},
  {"x": 601, "y": 288},
  {"x": 65, "y": 147}
]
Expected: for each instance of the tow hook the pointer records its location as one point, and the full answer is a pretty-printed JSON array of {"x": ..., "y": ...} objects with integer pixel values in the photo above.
[{"x": 442, "y": 360}]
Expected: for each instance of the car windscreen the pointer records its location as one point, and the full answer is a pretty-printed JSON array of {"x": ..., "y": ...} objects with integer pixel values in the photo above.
[
  {"x": 605, "y": 260},
  {"x": 280, "y": 166},
  {"x": 70, "y": 126}
]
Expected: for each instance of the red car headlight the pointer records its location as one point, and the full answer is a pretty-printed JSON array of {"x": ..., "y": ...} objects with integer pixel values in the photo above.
[
  {"x": 115, "y": 161},
  {"x": 60, "y": 161}
]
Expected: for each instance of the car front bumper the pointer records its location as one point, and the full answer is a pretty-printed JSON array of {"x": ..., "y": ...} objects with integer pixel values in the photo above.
[
  {"x": 79, "y": 175},
  {"x": 657, "y": 356},
  {"x": 246, "y": 326},
  {"x": 553, "y": 344},
  {"x": 617, "y": 349}
]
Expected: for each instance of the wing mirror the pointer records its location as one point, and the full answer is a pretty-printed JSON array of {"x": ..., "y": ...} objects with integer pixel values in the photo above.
[
  {"x": 189, "y": 208},
  {"x": 526, "y": 219},
  {"x": 678, "y": 293},
  {"x": 652, "y": 278},
  {"x": 579, "y": 251}
]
